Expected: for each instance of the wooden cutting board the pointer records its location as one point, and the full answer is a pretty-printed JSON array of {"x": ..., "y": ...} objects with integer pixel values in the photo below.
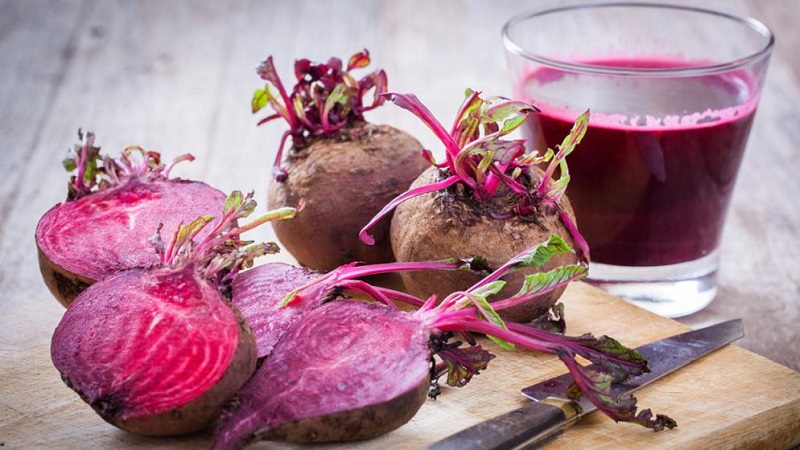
[{"x": 730, "y": 399}]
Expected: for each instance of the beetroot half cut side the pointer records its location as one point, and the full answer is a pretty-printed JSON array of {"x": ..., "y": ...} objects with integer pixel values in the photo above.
[
  {"x": 258, "y": 293},
  {"x": 325, "y": 382},
  {"x": 153, "y": 351}
]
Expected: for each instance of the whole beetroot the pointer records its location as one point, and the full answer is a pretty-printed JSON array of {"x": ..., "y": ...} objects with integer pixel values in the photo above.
[
  {"x": 112, "y": 208},
  {"x": 344, "y": 168},
  {"x": 158, "y": 351},
  {"x": 487, "y": 198}
]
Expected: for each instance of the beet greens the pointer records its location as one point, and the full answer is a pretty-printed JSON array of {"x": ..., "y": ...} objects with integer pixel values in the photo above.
[
  {"x": 479, "y": 160},
  {"x": 325, "y": 99},
  {"x": 95, "y": 172}
]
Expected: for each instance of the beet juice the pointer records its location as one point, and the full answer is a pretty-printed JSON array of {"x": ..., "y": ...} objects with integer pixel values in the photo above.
[{"x": 653, "y": 176}]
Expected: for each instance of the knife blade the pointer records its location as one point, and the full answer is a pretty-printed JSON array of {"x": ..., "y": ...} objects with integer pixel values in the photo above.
[{"x": 551, "y": 412}]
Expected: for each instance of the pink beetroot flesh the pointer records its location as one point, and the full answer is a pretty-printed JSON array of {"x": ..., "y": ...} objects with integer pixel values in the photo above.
[
  {"x": 259, "y": 292},
  {"x": 109, "y": 230},
  {"x": 143, "y": 342},
  {"x": 341, "y": 357}
]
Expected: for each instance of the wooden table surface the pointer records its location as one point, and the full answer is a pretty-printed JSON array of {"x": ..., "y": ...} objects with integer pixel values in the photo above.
[{"x": 177, "y": 76}]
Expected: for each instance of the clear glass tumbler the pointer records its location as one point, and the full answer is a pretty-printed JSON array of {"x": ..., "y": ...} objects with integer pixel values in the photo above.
[{"x": 672, "y": 92}]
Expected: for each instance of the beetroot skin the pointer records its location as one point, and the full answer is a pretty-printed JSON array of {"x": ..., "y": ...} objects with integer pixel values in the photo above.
[
  {"x": 154, "y": 352},
  {"x": 346, "y": 371},
  {"x": 105, "y": 227},
  {"x": 344, "y": 181}
]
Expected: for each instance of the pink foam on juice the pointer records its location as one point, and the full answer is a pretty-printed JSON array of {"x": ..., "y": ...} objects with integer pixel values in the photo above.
[{"x": 652, "y": 179}]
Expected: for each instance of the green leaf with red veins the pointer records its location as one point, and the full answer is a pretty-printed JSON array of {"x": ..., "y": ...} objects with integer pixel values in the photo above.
[
  {"x": 185, "y": 235},
  {"x": 540, "y": 281},
  {"x": 483, "y": 166},
  {"x": 620, "y": 409},
  {"x": 468, "y": 119},
  {"x": 245, "y": 209},
  {"x": 612, "y": 348},
  {"x": 478, "y": 297},
  {"x": 539, "y": 255},
  {"x": 505, "y": 151},
  {"x": 512, "y": 114},
  {"x": 340, "y": 95},
  {"x": 260, "y": 99},
  {"x": 221, "y": 254},
  {"x": 554, "y": 189},
  {"x": 348, "y": 81},
  {"x": 69, "y": 164},
  {"x": 376, "y": 82},
  {"x": 233, "y": 201},
  {"x": 553, "y": 321},
  {"x": 534, "y": 158}
]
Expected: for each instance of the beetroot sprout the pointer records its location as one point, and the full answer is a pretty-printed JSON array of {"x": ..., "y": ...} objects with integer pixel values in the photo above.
[{"x": 325, "y": 99}]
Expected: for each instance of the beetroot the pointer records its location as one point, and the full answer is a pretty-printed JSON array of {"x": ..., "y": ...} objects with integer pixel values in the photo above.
[
  {"x": 351, "y": 370},
  {"x": 112, "y": 208},
  {"x": 488, "y": 198},
  {"x": 262, "y": 294},
  {"x": 158, "y": 351},
  {"x": 325, "y": 382},
  {"x": 343, "y": 167}
]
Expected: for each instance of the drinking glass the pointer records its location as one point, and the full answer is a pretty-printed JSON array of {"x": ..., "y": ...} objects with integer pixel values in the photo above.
[{"x": 672, "y": 92}]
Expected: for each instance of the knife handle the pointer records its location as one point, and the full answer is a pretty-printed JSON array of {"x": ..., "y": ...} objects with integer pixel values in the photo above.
[{"x": 525, "y": 427}]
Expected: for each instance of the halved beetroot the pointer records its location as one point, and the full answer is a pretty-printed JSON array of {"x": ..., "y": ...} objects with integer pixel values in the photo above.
[
  {"x": 154, "y": 351},
  {"x": 346, "y": 371},
  {"x": 112, "y": 209}
]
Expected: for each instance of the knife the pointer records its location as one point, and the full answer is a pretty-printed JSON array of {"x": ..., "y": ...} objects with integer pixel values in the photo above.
[{"x": 551, "y": 412}]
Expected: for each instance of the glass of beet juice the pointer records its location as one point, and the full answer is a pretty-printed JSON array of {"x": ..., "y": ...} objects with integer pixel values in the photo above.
[{"x": 672, "y": 92}]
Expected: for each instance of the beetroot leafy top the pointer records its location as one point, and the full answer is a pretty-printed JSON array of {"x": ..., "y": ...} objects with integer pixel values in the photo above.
[
  {"x": 480, "y": 159},
  {"x": 325, "y": 99}
]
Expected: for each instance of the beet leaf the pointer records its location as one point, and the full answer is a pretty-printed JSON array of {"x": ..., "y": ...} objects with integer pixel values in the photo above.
[
  {"x": 221, "y": 254},
  {"x": 466, "y": 311}
]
